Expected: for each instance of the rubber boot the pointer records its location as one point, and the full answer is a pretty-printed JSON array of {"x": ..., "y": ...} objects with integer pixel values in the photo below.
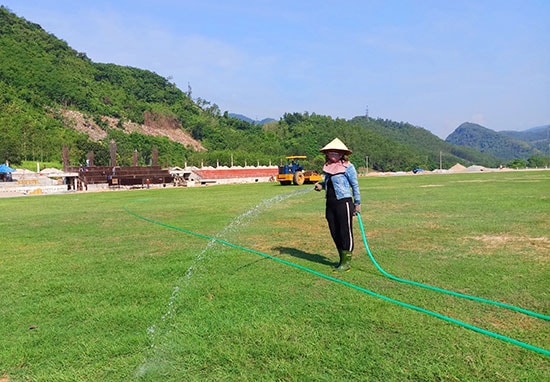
[
  {"x": 346, "y": 262},
  {"x": 341, "y": 258}
]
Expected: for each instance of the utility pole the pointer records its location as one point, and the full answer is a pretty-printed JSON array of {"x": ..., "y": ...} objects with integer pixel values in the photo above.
[{"x": 367, "y": 163}]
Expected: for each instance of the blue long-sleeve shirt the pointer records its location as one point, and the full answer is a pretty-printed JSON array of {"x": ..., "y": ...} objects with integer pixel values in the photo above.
[{"x": 345, "y": 184}]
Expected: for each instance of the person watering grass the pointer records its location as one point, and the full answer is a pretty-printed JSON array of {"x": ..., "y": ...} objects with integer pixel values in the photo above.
[{"x": 343, "y": 199}]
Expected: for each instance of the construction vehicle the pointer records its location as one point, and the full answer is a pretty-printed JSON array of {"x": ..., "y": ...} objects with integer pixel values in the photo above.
[{"x": 293, "y": 172}]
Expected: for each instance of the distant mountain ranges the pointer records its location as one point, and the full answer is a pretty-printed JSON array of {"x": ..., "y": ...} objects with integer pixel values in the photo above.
[
  {"x": 250, "y": 120},
  {"x": 504, "y": 144}
]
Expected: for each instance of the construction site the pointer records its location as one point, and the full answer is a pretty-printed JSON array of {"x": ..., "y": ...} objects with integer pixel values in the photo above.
[{"x": 90, "y": 177}]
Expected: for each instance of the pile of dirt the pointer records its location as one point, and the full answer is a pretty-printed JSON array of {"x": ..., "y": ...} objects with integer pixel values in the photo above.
[
  {"x": 155, "y": 125},
  {"x": 457, "y": 168}
]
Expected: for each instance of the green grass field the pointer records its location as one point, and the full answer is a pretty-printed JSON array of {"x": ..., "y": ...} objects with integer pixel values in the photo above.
[{"x": 141, "y": 285}]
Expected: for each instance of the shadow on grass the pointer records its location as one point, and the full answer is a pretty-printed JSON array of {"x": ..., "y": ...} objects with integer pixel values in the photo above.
[{"x": 298, "y": 253}]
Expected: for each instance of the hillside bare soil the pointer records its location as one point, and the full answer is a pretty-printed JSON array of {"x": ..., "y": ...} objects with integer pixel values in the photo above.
[{"x": 155, "y": 125}]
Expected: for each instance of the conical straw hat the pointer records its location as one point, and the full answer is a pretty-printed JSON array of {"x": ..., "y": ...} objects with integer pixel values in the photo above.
[{"x": 336, "y": 145}]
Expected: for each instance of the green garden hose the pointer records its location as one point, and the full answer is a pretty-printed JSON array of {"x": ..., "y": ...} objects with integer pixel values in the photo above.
[
  {"x": 353, "y": 286},
  {"x": 502, "y": 305}
]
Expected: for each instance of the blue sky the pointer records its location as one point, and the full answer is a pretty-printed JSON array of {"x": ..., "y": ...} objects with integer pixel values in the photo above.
[{"x": 434, "y": 64}]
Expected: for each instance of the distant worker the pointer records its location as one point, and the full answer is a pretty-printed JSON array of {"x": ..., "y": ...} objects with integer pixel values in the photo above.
[{"x": 343, "y": 199}]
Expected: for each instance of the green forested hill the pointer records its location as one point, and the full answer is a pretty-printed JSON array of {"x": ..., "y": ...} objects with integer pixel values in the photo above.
[
  {"x": 506, "y": 145},
  {"x": 537, "y": 137},
  {"x": 41, "y": 77}
]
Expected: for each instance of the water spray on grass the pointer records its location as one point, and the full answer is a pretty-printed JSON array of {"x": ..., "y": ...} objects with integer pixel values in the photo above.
[{"x": 233, "y": 226}]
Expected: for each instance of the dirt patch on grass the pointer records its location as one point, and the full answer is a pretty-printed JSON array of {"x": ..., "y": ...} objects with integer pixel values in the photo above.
[
  {"x": 538, "y": 245},
  {"x": 494, "y": 241},
  {"x": 508, "y": 322}
]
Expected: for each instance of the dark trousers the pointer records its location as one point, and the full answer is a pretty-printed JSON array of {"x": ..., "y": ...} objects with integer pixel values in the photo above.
[{"x": 339, "y": 215}]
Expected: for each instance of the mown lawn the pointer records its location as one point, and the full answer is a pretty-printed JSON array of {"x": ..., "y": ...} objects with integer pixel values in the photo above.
[{"x": 178, "y": 284}]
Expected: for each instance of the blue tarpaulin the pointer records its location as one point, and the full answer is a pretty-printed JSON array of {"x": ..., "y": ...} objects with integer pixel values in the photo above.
[{"x": 5, "y": 169}]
